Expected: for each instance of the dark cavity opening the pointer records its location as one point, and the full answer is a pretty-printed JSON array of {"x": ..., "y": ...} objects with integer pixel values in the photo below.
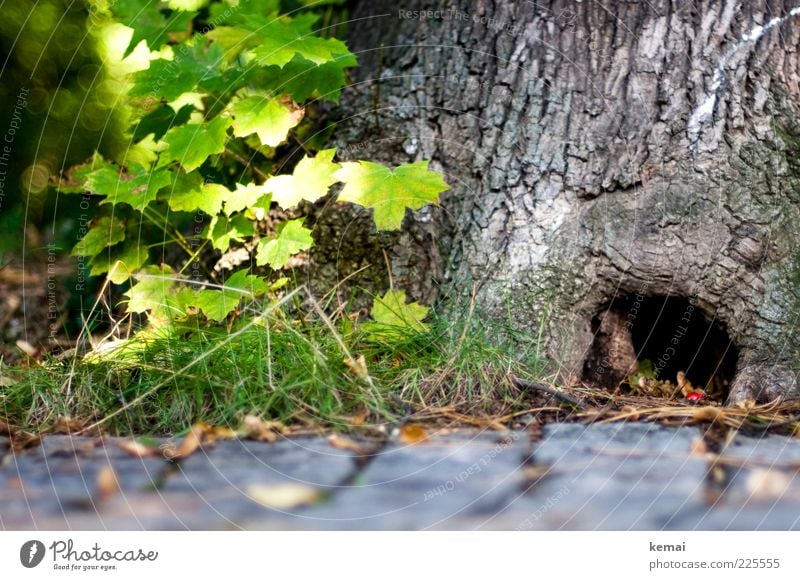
[{"x": 671, "y": 332}]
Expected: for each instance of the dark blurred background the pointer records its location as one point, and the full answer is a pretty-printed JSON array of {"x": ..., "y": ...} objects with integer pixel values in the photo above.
[
  {"x": 55, "y": 111},
  {"x": 56, "y": 105}
]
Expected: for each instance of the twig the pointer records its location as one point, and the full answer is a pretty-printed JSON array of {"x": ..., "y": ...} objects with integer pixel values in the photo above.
[{"x": 523, "y": 384}]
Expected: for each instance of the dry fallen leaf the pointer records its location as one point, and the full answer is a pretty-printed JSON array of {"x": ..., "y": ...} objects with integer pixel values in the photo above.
[
  {"x": 286, "y": 496},
  {"x": 26, "y": 347},
  {"x": 213, "y": 433},
  {"x": 189, "y": 445},
  {"x": 7, "y": 382},
  {"x": 260, "y": 430},
  {"x": 107, "y": 483},
  {"x": 341, "y": 442},
  {"x": 68, "y": 425},
  {"x": 412, "y": 434},
  {"x": 768, "y": 484},
  {"x": 22, "y": 440},
  {"x": 698, "y": 448},
  {"x": 708, "y": 414},
  {"x": 359, "y": 418},
  {"x": 631, "y": 411},
  {"x": 136, "y": 449}
]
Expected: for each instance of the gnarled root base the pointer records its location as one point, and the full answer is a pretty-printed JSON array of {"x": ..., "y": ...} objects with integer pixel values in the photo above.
[{"x": 761, "y": 383}]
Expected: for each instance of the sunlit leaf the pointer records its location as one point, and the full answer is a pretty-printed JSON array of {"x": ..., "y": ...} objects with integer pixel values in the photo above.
[
  {"x": 195, "y": 66},
  {"x": 151, "y": 291},
  {"x": 244, "y": 196},
  {"x": 148, "y": 22},
  {"x": 309, "y": 181},
  {"x": 217, "y": 304},
  {"x": 291, "y": 239},
  {"x": 390, "y": 192},
  {"x": 222, "y": 231},
  {"x": 269, "y": 118},
  {"x": 392, "y": 310},
  {"x": 136, "y": 187},
  {"x": 191, "y": 145}
]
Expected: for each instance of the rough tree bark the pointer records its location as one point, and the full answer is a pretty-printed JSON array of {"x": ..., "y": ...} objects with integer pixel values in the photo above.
[{"x": 596, "y": 149}]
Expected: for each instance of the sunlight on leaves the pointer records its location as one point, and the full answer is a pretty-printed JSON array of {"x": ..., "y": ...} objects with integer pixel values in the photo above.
[{"x": 390, "y": 192}]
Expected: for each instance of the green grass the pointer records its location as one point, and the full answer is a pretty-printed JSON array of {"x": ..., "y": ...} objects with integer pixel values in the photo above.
[{"x": 280, "y": 367}]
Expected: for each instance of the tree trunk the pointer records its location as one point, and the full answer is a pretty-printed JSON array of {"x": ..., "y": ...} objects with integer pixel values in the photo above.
[{"x": 631, "y": 157}]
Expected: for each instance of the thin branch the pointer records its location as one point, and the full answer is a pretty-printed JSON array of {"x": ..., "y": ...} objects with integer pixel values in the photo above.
[{"x": 523, "y": 384}]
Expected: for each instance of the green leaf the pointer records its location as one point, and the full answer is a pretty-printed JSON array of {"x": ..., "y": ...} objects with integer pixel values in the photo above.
[
  {"x": 217, "y": 304},
  {"x": 233, "y": 40},
  {"x": 195, "y": 65},
  {"x": 304, "y": 79},
  {"x": 148, "y": 22},
  {"x": 186, "y": 4},
  {"x": 188, "y": 193},
  {"x": 282, "y": 38},
  {"x": 152, "y": 290},
  {"x": 222, "y": 231},
  {"x": 105, "y": 232},
  {"x": 158, "y": 121},
  {"x": 310, "y": 180},
  {"x": 248, "y": 13},
  {"x": 389, "y": 192},
  {"x": 137, "y": 187},
  {"x": 243, "y": 196},
  {"x": 251, "y": 285},
  {"x": 392, "y": 310},
  {"x": 121, "y": 262},
  {"x": 191, "y": 145},
  {"x": 269, "y": 118},
  {"x": 74, "y": 179},
  {"x": 277, "y": 251}
]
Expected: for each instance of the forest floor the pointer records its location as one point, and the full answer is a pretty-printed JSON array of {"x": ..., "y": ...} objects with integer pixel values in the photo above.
[
  {"x": 622, "y": 476},
  {"x": 440, "y": 454}
]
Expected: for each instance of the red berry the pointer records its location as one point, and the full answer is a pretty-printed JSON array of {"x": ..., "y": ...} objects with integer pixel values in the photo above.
[{"x": 695, "y": 396}]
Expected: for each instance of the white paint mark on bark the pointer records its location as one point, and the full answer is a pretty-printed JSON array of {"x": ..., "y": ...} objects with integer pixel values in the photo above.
[{"x": 705, "y": 110}]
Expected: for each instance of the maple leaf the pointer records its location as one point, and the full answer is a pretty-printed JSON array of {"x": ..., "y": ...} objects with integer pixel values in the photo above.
[
  {"x": 121, "y": 261},
  {"x": 148, "y": 22},
  {"x": 105, "y": 232},
  {"x": 245, "y": 196},
  {"x": 151, "y": 291},
  {"x": 222, "y": 231},
  {"x": 217, "y": 304},
  {"x": 191, "y": 145},
  {"x": 291, "y": 239},
  {"x": 282, "y": 38},
  {"x": 304, "y": 79},
  {"x": 309, "y": 181},
  {"x": 137, "y": 187},
  {"x": 196, "y": 66},
  {"x": 391, "y": 310},
  {"x": 389, "y": 192},
  {"x": 268, "y": 118},
  {"x": 189, "y": 193},
  {"x": 159, "y": 121}
]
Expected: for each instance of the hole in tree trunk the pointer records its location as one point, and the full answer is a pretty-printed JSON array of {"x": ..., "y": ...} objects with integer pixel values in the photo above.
[{"x": 671, "y": 333}]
